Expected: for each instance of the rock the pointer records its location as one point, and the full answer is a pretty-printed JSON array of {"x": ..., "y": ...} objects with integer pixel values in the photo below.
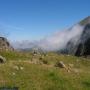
[
  {"x": 5, "y": 45},
  {"x": 2, "y": 59},
  {"x": 16, "y": 67},
  {"x": 60, "y": 64},
  {"x": 21, "y": 68}
]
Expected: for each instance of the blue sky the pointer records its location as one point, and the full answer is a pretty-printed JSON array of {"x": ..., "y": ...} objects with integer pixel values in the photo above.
[{"x": 35, "y": 19}]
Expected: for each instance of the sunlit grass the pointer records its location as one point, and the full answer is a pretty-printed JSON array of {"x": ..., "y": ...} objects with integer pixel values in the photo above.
[{"x": 41, "y": 76}]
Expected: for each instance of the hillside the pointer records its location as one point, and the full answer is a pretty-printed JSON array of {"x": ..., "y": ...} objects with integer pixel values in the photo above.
[
  {"x": 80, "y": 44},
  {"x": 38, "y": 72},
  {"x": 36, "y": 69},
  {"x": 5, "y": 45}
]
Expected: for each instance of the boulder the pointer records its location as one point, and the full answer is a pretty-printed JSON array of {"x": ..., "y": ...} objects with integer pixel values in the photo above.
[
  {"x": 5, "y": 45},
  {"x": 2, "y": 59},
  {"x": 16, "y": 67},
  {"x": 60, "y": 64}
]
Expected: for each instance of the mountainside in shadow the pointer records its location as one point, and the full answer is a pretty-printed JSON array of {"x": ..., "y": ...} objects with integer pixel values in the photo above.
[{"x": 81, "y": 47}]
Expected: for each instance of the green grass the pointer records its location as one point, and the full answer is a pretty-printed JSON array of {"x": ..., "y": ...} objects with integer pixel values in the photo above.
[
  {"x": 16, "y": 55},
  {"x": 42, "y": 76}
]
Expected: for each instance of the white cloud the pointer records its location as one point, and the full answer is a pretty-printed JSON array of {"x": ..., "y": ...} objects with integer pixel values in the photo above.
[
  {"x": 60, "y": 39},
  {"x": 56, "y": 41}
]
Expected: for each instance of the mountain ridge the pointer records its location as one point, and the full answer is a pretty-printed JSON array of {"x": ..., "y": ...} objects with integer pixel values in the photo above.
[{"x": 82, "y": 46}]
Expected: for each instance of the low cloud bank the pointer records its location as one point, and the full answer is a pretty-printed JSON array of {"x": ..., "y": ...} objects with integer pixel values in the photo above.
[{"x": 54, "y": 42}]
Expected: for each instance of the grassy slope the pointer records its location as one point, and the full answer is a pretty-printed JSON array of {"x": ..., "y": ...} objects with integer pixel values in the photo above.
[{"x": 44, "y": 77}]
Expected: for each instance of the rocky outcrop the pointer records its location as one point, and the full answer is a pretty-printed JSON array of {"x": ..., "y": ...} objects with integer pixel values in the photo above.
[
  {"x": 60, "y": 64},
  {"x": 2, "y": 59},
  {"x": 84, "y": 43},
  {"x": 5, "y": 45}
]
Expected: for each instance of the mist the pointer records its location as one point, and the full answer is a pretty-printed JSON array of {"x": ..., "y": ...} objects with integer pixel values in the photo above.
[
  {"x": 56, "y": 41},
  {"x": 60, "y": 39}
]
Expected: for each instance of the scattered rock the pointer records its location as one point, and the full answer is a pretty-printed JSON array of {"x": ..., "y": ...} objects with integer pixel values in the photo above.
[
  {"x": 76, "y": 70},
  {"x": 16, "y": 67},
  {"x": 60, "y": 64},
  {"x": 13, "y": 73},
  {"x": 21, "y": 68},
  {"x": 2, "y": 59}
]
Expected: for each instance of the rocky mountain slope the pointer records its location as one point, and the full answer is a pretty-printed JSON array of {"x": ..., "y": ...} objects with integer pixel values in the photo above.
[
  {"x": 5, "y": 45},
  {"x": 81, "y": 47}
]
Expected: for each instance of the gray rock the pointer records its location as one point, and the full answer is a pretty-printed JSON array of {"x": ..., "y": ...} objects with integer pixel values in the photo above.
[
  {"x": 60, "y": 64},
  {"x": 5, "y": 45},
  {"x": 21, "y": 68},
  {"x": 16, "y": 67},
  {"x": 2, "y": 59}
]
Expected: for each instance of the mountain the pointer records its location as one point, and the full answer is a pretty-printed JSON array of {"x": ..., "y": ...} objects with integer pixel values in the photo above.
[
  {"x": 81, "y": 47},
  {"x": 74, "y": 41},
  {"x": 5, "y": 45}
]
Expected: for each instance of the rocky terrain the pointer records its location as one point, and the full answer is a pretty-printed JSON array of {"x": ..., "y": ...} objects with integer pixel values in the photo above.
[
  {"x": 34, "y": 71},
  {"x": 80, "y": 46},
  {"x": 5, "y": 45}
]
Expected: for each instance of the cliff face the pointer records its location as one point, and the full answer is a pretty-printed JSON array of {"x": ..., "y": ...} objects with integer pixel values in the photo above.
[
  {"x": 82, "y": 46},
  {"x": 5, "y": 45},
  {"x": 84, "y": 43}
]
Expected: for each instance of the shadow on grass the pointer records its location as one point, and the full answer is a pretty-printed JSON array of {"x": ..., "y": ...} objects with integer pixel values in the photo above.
[{"x": 87, "y": 84}]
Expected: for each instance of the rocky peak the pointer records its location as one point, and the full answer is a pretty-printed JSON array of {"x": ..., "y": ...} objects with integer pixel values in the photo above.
[
  {"x": 85, "y": 21},
  {"x": 82, "y": 46}
]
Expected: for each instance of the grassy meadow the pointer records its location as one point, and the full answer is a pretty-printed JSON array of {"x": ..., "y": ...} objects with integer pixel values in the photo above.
[{"x": 38, "y": 72}]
